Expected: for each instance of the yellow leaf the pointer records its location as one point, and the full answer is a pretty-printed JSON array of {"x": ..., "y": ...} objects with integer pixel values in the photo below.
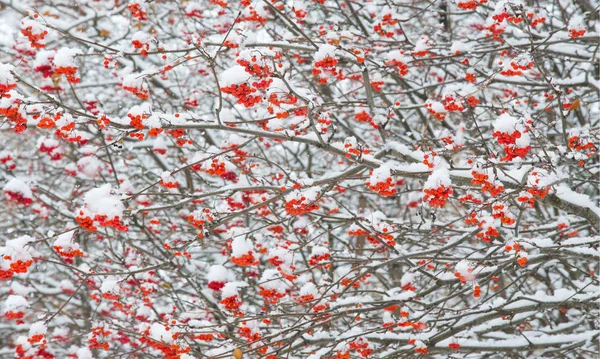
[
  {"x": 574, "y": 105},
  {"x": 104, "y": 33},
  {"x": 237, "y": 353}
]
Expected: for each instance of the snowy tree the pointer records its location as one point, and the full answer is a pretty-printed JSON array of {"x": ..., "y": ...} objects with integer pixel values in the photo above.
[{"x": 299, "y": 179}]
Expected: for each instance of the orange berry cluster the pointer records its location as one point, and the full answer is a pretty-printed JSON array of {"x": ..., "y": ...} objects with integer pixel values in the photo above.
[
  {"x": 385, "y": 189},
  {"x": 138, "y": 91},
  {"x": 15, "y": 267},
  {"x": 271, "y": 296},
  {"x": 439, "y": 115},
  {"x": 7, "y": 160},
  {"x": 255, "y": 69},
  {"x": 361, "y": 346},
  {"x": 206, "y": 217},
  {"x": 452, "y": 105},
  {"x": 296, "y": 207},
  {"x": 326, "y": 63},
  {"x": 437, "y": 196},
  {"x": 137, "y": 12},
  {"x": 93, "y": 342},
  {"x": 507, "y": 139},
  {"x": 54, "y": 156},
  {"x": 70, "y": 72},
  {"x": 363, "y": 116},
  {"x": 314, "y": 260},
  {"x": 17, "y": 197},
  {"x": 470, "y": 4},
  {"x": 5, "y": 88},
  {"x": 498, "y": 212},
  {"x": 231, "y": 303},
  {"x": 35, "y": 38},
  {"x": 536, "y": 21},
  {"x": 243, "y": 93},
  {"x": 517, "y": 69},
  {"x": 490, "y": 232},
  {"x": 579, "y": 144},
  {"x": 386, "y": 21},
  {"x": 169, "y": 184},
  {"x": 217, "y": 168},
  {"x": 168, "y": 350},
  {"x": 402, "y": 67},
  {"x": 47, "y": 122},
  {"x": 89, "y": 224},
  {"x": 13, "y": 114},
  {"x": 505, "y": 16},
  {"x": 576, "y": 33},
  {"x": 245, "y": 260},
  {"x": 482, "y": 179},
  {"x": 140, "y": 45}
]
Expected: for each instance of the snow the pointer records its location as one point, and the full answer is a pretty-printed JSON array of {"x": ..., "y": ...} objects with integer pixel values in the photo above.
[
  {"x": 439, "y": 177},
  {"x": 15, "y": 302},
  {"x": 20, "y": 289},
  {"x": 417, "y": 155},
  {"x": 153, "y": 121},
  {"x": 89, "y": 166},
  {"x": 506, "y": 123},
  {"x": 217, "y": 273},
  {"x": 436, "y": 106},
  {"x": 160, "y": 333},
  {"x": 110, "y": 285},
  {"x": 17, "y": 249},
  {"x": 35, "y": 26},
  {"x": 576, "y": 23},
  {"x": 167, "y": 177},
  {"x": 568, "y": 195},
  {"x": 18, "y": 186},
  {"x": 47, "y": 142},
  {"x": 460, "y": 46},
  {"x": 465, "y": 269},
  {"x": 65, "y": 241},
  {"x": 135, "y": 81},
  {"x": 6, "y": 77},
  {"x": 282, "y": 254},
  {"x": 319, "y": 251},
  {"x": 380, "y": 174},
  {"x": 232, "y": 288},
  {"x": 324, "y": 52},
  {"x": 397, "y": 56},
  {"x": 102, "y": 201},
  {"x": 38, "y": 328},
  {"x": 422, "y": 44},
  {"x": 310, "y": 195},
  {"x": 241, "y": 246},
  {"x": 233, "y": 76},
  {"x": 142, "y": 37},
  {"x": 65, "y": 57},
  {"x": 67, "y": 285},
  {"x": 308, "y": 289},
  {"x": 271, "y": 279},
  {"x": 191, "y": 6},
  {"x": 520, "y": 342},
  {"x": 84, "y": 353}
]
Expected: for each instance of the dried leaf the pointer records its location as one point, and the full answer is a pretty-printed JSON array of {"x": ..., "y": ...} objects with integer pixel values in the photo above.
[
  {"x": 574, "y": 105},
  {"x": 237, "y": 353}
]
